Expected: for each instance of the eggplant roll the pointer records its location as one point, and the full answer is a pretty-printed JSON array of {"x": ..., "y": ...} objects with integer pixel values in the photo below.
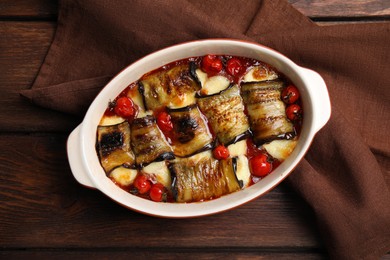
[
  {"x": 225, "y": 113},
  {"x": 201, "y": 177},
  {"x": 266, "y": 111},
  {"x": 113, "y": 146},
  {"x": 191, "y": 134},
  {"x": 173, "y": 88},
  {"x": 148, "y": 142}
]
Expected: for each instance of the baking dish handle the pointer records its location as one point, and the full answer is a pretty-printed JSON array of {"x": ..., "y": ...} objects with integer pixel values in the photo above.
[
  {"x": 75, "y": 159},
  {"x": 321, "y": 100}
]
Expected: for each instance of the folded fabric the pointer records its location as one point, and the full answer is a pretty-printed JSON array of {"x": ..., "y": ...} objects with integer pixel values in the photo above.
[{"x": 345, "y": 175}]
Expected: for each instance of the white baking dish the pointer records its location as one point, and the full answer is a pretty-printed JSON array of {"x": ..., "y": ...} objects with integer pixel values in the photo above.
[{"x": 85, "y": 164}]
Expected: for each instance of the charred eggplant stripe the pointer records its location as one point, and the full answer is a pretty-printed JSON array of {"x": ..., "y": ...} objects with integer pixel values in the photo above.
[
  {"x": 173, "y": 173},
  {"x": 162, "y": 157},
  {"x": 284, "y": 136},
  {"x": 181, "y": 109},
  {"x": 193, "y": 68},
  {"x": 144, "y": 121},
  {"x": 240, "y": 137},
  {"x": 141, "y": 90},
  {"x": 263, "y": 82},
  {"x": 234, "y": 165}
]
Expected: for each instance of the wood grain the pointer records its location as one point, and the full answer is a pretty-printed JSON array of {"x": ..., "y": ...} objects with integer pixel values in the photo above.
[
  {"x": 343, "y": 9},
  {"x": 312, "y": 8},
  {"x": 46, "y": 201},
  {"x": 152, "y": 253},
  {"x": 28, "y": 9}
]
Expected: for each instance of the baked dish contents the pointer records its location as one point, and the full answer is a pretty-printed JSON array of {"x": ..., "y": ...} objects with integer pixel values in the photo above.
[{"x": 199, "y": 128}]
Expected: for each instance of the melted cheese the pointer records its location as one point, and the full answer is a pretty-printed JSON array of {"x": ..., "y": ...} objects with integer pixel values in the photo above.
[
  {"x": 180, "y": 101},
  {"x": 213, "y": 84},
  {"x": 123, "y": 176},
  {"x": 260, "y": 73},
  {"x": 280, "y": 149},
  {"x": 243, "y": 173},
  {"x": 238, "y": 148},
  {"x": 159, "y": 172}
]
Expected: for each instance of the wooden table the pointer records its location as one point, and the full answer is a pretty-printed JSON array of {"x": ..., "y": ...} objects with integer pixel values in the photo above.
[{"x": 45, "y": 213}]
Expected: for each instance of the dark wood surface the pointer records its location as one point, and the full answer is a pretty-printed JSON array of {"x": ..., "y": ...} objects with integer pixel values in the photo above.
[{"x": 45, "y": 213}]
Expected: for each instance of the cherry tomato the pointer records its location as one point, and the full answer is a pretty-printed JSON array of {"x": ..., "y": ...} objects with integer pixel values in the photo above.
[
  {"x": 211, "y": 64},
  {"x": 157, "y": 192},
  {"x": 125, "y": 107},
  {"x": 294, "y": 112},
  {"x": 290, "y": 94},
  {"x": 234, "y": 67},
  {"x": 164, "y": 122},
  {"x": 221, "y": 152},
  {"x": 259, "y": 165},
  {"x": 142, "y": 184}
]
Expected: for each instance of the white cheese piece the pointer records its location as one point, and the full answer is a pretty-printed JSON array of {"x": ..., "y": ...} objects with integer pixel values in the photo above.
[
  {"x": 123, "y": 176},
  {"x": 260, "y": 73},
  {"x": 202, "y": 76},
  {"x": 159, "y": 172},
  {"x": 243, "y": 173},
  {"x": 280, "y": 149},
  {"x": 238, "y": 148},
  {"x": 213, "y": 84},
  {"x": 111, "y": 120}
]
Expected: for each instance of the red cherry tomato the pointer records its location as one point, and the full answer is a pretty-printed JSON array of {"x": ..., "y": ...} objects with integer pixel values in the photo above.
[
  {"x": 125, "y": 107},
  {"x": 259, "y": 165},
  {"x": 157, "y": 192},
  {"x": 164, "y": 122},
  {"x": 290, "y": 94},
  {"x": 221, "y": 152},
  {"x": 294, "y": 112},
  {"x": 234, "y": 67},
  {"x": 211, "y": 64},
  {"x": 142, "y": 184}
]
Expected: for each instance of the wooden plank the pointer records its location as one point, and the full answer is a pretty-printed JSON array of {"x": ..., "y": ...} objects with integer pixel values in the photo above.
[
  {"x": 311, "y": 8},
  {"x": 343, "y": 9},
  {"x": 23, "y": 47},
  {"x": 44, "y": 207},
  {"x": 175, "y": 253},
  {"x": 28, "y": 8}
]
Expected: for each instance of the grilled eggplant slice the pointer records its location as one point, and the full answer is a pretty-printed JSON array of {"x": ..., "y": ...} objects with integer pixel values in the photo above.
[
  {"x": 148, "y": 142},
  {"x": 201, "y": 177},
  {"x": 225, "y": 113},
  {"x": 174, "y": 88},
  {"x": 266, "y": 111},
  {"x": 113, "y": 146},
  {"x": 191, "y": 134}
]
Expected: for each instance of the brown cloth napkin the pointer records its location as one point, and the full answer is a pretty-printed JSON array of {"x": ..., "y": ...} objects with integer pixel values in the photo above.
[{"x": 344, "y": 177}]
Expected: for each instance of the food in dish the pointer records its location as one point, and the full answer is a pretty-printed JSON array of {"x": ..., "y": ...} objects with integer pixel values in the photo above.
[{"x": 199, "y": 128}]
